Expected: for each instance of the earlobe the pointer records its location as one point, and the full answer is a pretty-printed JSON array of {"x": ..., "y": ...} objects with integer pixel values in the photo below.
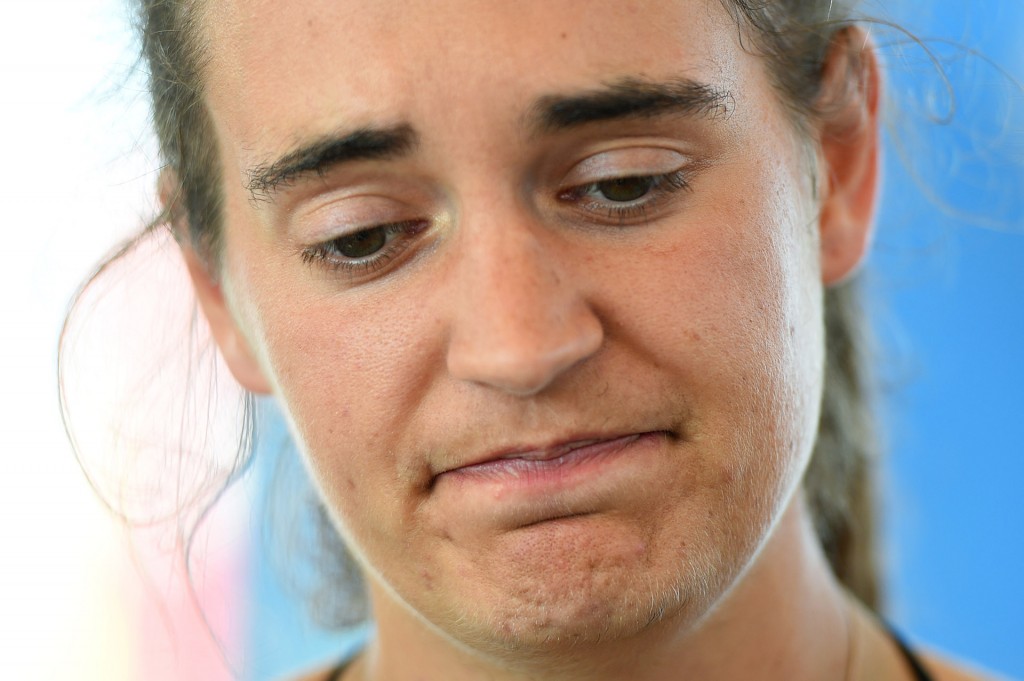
[
  {"x": 232, "y": 343},
  {"x": 850, "y": 139}
]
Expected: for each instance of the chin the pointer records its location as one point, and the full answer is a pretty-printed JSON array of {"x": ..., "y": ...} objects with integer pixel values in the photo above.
[{"x": 589, "y": 599}]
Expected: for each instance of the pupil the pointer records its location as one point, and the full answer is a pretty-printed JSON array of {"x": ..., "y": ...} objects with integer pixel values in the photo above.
[
  {"x": 362, "y": 244},
  {"x": 626, "y": 188}
]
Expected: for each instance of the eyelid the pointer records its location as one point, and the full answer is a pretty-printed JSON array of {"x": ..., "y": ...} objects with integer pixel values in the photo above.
[
  {"x": 343, "y": 214},
  {"x": 362, "y": 196},
  {"x": 669, "y": 171},
  {"x": 633, "y": 161},
  {"x": 400, "y": 237},
  {"x": 348, "y": 215}
]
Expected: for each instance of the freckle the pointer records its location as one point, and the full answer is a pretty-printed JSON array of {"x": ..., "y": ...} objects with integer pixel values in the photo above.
[
  {"x": 564, "y": 35},
  {"x": 351, "y": 483}
]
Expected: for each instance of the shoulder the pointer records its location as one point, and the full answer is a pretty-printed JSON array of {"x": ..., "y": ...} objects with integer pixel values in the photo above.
[
  {"x": 347, "y": 664},
  {"x": 882, "y": 654},
  {"x": 944, "y": 668},
  {"x": 327, "y": 673},
  {"x": 317, "y": 675}
]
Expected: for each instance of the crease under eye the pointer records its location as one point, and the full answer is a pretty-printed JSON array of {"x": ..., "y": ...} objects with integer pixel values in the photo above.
[{"x": 625, "y": 199}]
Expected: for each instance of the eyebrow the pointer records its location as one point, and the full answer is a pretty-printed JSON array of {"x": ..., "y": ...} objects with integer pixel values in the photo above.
[
  {"x": 623, "y": 99},
  {"x": 367, "y": 143},
  {"x": 631, "y": 98}
]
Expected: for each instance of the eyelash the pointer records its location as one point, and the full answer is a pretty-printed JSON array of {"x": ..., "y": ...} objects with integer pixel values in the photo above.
[
  {"x": 397, "y": 237},
  {"x": 662, "y": 186}
]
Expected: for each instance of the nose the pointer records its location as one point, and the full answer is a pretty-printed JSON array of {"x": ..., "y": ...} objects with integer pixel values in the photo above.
[{"x": 521, "y": 320}]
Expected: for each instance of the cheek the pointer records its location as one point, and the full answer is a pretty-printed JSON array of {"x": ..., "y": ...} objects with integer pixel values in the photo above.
[
  {"x": 729, "y": 304},
  {"x": 736, "y": 287},
  {"x": 348, "y": 376}
]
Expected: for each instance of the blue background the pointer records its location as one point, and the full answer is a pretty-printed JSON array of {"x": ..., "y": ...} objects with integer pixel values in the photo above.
[{"x": 946, "y": 279}]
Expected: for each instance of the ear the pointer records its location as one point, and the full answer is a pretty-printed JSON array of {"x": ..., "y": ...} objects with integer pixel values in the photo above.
[
  {"x": 849, "y": 134},
  {"x": 233, "y": 345}
]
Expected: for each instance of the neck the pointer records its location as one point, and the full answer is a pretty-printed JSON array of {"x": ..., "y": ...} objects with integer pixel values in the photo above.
[{"x": 785, "y": 618}]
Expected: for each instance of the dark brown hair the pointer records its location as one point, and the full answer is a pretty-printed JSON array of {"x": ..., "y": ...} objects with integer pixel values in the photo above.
[{"x": 794, "y": 36}]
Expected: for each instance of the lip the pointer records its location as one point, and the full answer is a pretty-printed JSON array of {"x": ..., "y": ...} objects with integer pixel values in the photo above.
[
  {"x": 522, "y": 462},
  {"x": 521, "y": 486},
  {"x": 523, "y": 465},
  {"x": 532, "y": 453}
]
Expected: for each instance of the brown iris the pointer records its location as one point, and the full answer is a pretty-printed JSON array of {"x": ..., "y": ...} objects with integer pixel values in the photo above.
[
  {"x": 626, "y": 189},
  {"x": 362, "y": 244}
]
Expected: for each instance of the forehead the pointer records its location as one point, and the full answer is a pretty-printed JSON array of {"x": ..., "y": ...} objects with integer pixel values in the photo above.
[{"x": 278, "y": 71}]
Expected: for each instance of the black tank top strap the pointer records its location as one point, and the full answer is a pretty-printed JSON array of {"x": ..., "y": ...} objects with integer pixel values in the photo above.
[
  {"x": 338, "y": 671},
  {"x": 355, "y": 642},
  {"x": 920, "y": 673}
]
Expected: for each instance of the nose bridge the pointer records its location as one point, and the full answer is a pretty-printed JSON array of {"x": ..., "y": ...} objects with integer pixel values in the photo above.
[{"x": 520, "y": 318}]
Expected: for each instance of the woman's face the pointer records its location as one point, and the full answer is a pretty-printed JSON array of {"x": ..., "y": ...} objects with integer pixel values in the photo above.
[{"x": 537, "y": 284}]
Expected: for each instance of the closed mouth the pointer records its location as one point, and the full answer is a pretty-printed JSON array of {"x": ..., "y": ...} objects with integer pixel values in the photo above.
[{"x": 524, "y": 460}]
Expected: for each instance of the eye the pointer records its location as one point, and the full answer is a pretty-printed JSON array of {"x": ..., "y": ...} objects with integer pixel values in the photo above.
[
  {"x": 624, "y": 198},
  {"x": 361, "y": 244},
  {"x": 368, "y": 250},
  {"x": 625, "y": 189}
]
